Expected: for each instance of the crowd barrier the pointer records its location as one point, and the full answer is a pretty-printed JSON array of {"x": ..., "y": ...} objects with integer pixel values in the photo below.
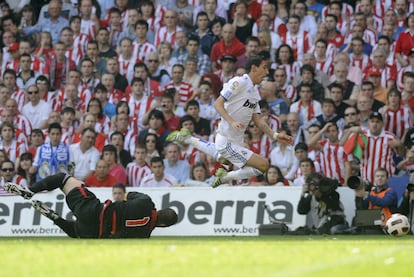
[{"x": 225, "y": 211}]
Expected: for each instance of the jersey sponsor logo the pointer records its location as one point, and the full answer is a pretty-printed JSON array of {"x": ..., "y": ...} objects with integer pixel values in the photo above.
[
  {"x": 249, "y": 105},
  {"x": 235, "y": 85},
  {"x": 137, "y": 222}
]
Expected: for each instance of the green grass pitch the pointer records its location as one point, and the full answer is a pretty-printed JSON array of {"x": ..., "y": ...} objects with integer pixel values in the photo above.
[{"x": 209, "y": 256}]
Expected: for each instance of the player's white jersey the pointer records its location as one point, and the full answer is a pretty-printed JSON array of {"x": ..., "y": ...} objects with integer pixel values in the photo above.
[{"x": 242, "y": 100}]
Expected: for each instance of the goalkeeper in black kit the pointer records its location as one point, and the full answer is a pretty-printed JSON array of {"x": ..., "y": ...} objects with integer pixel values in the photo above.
[{"x": 134, "y": 218}]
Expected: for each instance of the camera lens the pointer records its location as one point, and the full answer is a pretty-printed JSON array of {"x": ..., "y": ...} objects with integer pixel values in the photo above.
[{"x": 354, "y": 182}]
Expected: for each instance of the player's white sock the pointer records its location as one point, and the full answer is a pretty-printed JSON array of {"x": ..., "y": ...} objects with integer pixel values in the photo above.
[
  {"x": 242, "y": 173},
  {"x": 205, "y": 146}
]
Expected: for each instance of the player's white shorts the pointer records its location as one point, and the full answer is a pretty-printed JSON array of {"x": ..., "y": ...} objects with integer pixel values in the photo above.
[{"x": 231, "y": 151}]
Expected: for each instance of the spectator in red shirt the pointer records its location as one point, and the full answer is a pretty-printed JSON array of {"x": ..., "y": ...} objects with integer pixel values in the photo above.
[
  {"x": 405, "y": 42},
  {"x": 101, "y": 177},
  {"x": 228, "y": 45}
]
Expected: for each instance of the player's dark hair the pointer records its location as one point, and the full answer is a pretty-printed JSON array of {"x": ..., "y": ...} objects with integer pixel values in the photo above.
[
  {"x": 119, "y": 186},
  {"x": 166, "y": 217},
  {"x": 253, "y": 60}
]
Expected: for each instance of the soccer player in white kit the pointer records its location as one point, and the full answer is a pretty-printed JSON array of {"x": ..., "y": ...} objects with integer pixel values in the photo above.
[{"x": 237, "y": 104}]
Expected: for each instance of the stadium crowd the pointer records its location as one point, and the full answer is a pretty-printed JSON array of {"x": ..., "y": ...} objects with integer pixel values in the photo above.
[{"x": 94, "y": 87}]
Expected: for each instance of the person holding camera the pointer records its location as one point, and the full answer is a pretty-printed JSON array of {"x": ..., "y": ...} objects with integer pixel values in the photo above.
[
  {"x": 320, "y": 201},
  {"x": 381, "y": 196},
  {"x": 407, "y": 205}
]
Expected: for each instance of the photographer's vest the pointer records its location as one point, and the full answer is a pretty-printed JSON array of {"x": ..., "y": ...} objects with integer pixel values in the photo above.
[
  {"x": 52, "y": 160},
  {"x": 385, "y": 212}
]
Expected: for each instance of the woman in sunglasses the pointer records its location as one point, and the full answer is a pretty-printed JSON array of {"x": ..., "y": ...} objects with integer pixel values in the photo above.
[{"x": 8, "y": 174}]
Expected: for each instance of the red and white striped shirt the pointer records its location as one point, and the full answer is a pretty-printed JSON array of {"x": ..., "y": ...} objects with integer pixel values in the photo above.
[
  {"x": 262, "y": 147},
  {"x": 409, "y": 167},
  {"x": 389, "y": 72},
  {"x": 192, "y": 155},
  {"x": 136, "y": 173},
  {"x": 289, "y": 91},
  {"x": 300, "y": 43},
  {"x": 14, "y": 150},
  {"x": 126, "y": 67},
  {"x": 163, "y": 35},
  {"x": 68, "y": 134},
  {"x": 167, "y": 181},
  {"x": 274, "y": 122},
  {"x": 400, "y": 84},
  {"x": 377, "y": 153},
  {"x": 291, "y": 70},
  {"x": 142, "y": 49},
  {"x": 84, "y": 95},
  {"x": 379, "y": 7},
  {"x": 20, "y": 98},
  {"x": 347, "y": 11},
  {"x": 116, "y": 96},
  {"x": 155, "y": 22},
  {"x": 88, "y": 28},
  {"x": 277, "y": 26},
  {"x": 397, "y": 122},
  {"x": 184, "y": 89},
  {"x": 21, "y": 122},
  {"x": 12, "y": 64},
  {"x": 326, "y": 66},
  {"x": 362, "y": 63},
  {"x": 17, "y": 179},
  {"x": 103, "y": 125},
  {"x": 333, "y": 160},
  {"x": 138, "y": 109}
]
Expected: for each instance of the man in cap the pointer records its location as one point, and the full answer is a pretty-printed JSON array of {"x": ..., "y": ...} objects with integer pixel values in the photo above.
[
  {"x": 380, "y": 92},
  {"x": 13, "y": 61},
  {"x": 378, "y": 147},
  {"x": 228, "y": 66}
]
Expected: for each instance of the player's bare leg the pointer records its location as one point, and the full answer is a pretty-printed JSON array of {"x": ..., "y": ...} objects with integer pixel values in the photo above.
[
  {"x": 184, "y": 136},
  {"x": 255, "y": 166}
]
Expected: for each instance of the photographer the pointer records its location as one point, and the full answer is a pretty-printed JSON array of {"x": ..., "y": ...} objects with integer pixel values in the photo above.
[
  {"x": 320, "y": 201},
  {"x": 407, "y": 206},
  {"x": 381, "y": 196}
]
